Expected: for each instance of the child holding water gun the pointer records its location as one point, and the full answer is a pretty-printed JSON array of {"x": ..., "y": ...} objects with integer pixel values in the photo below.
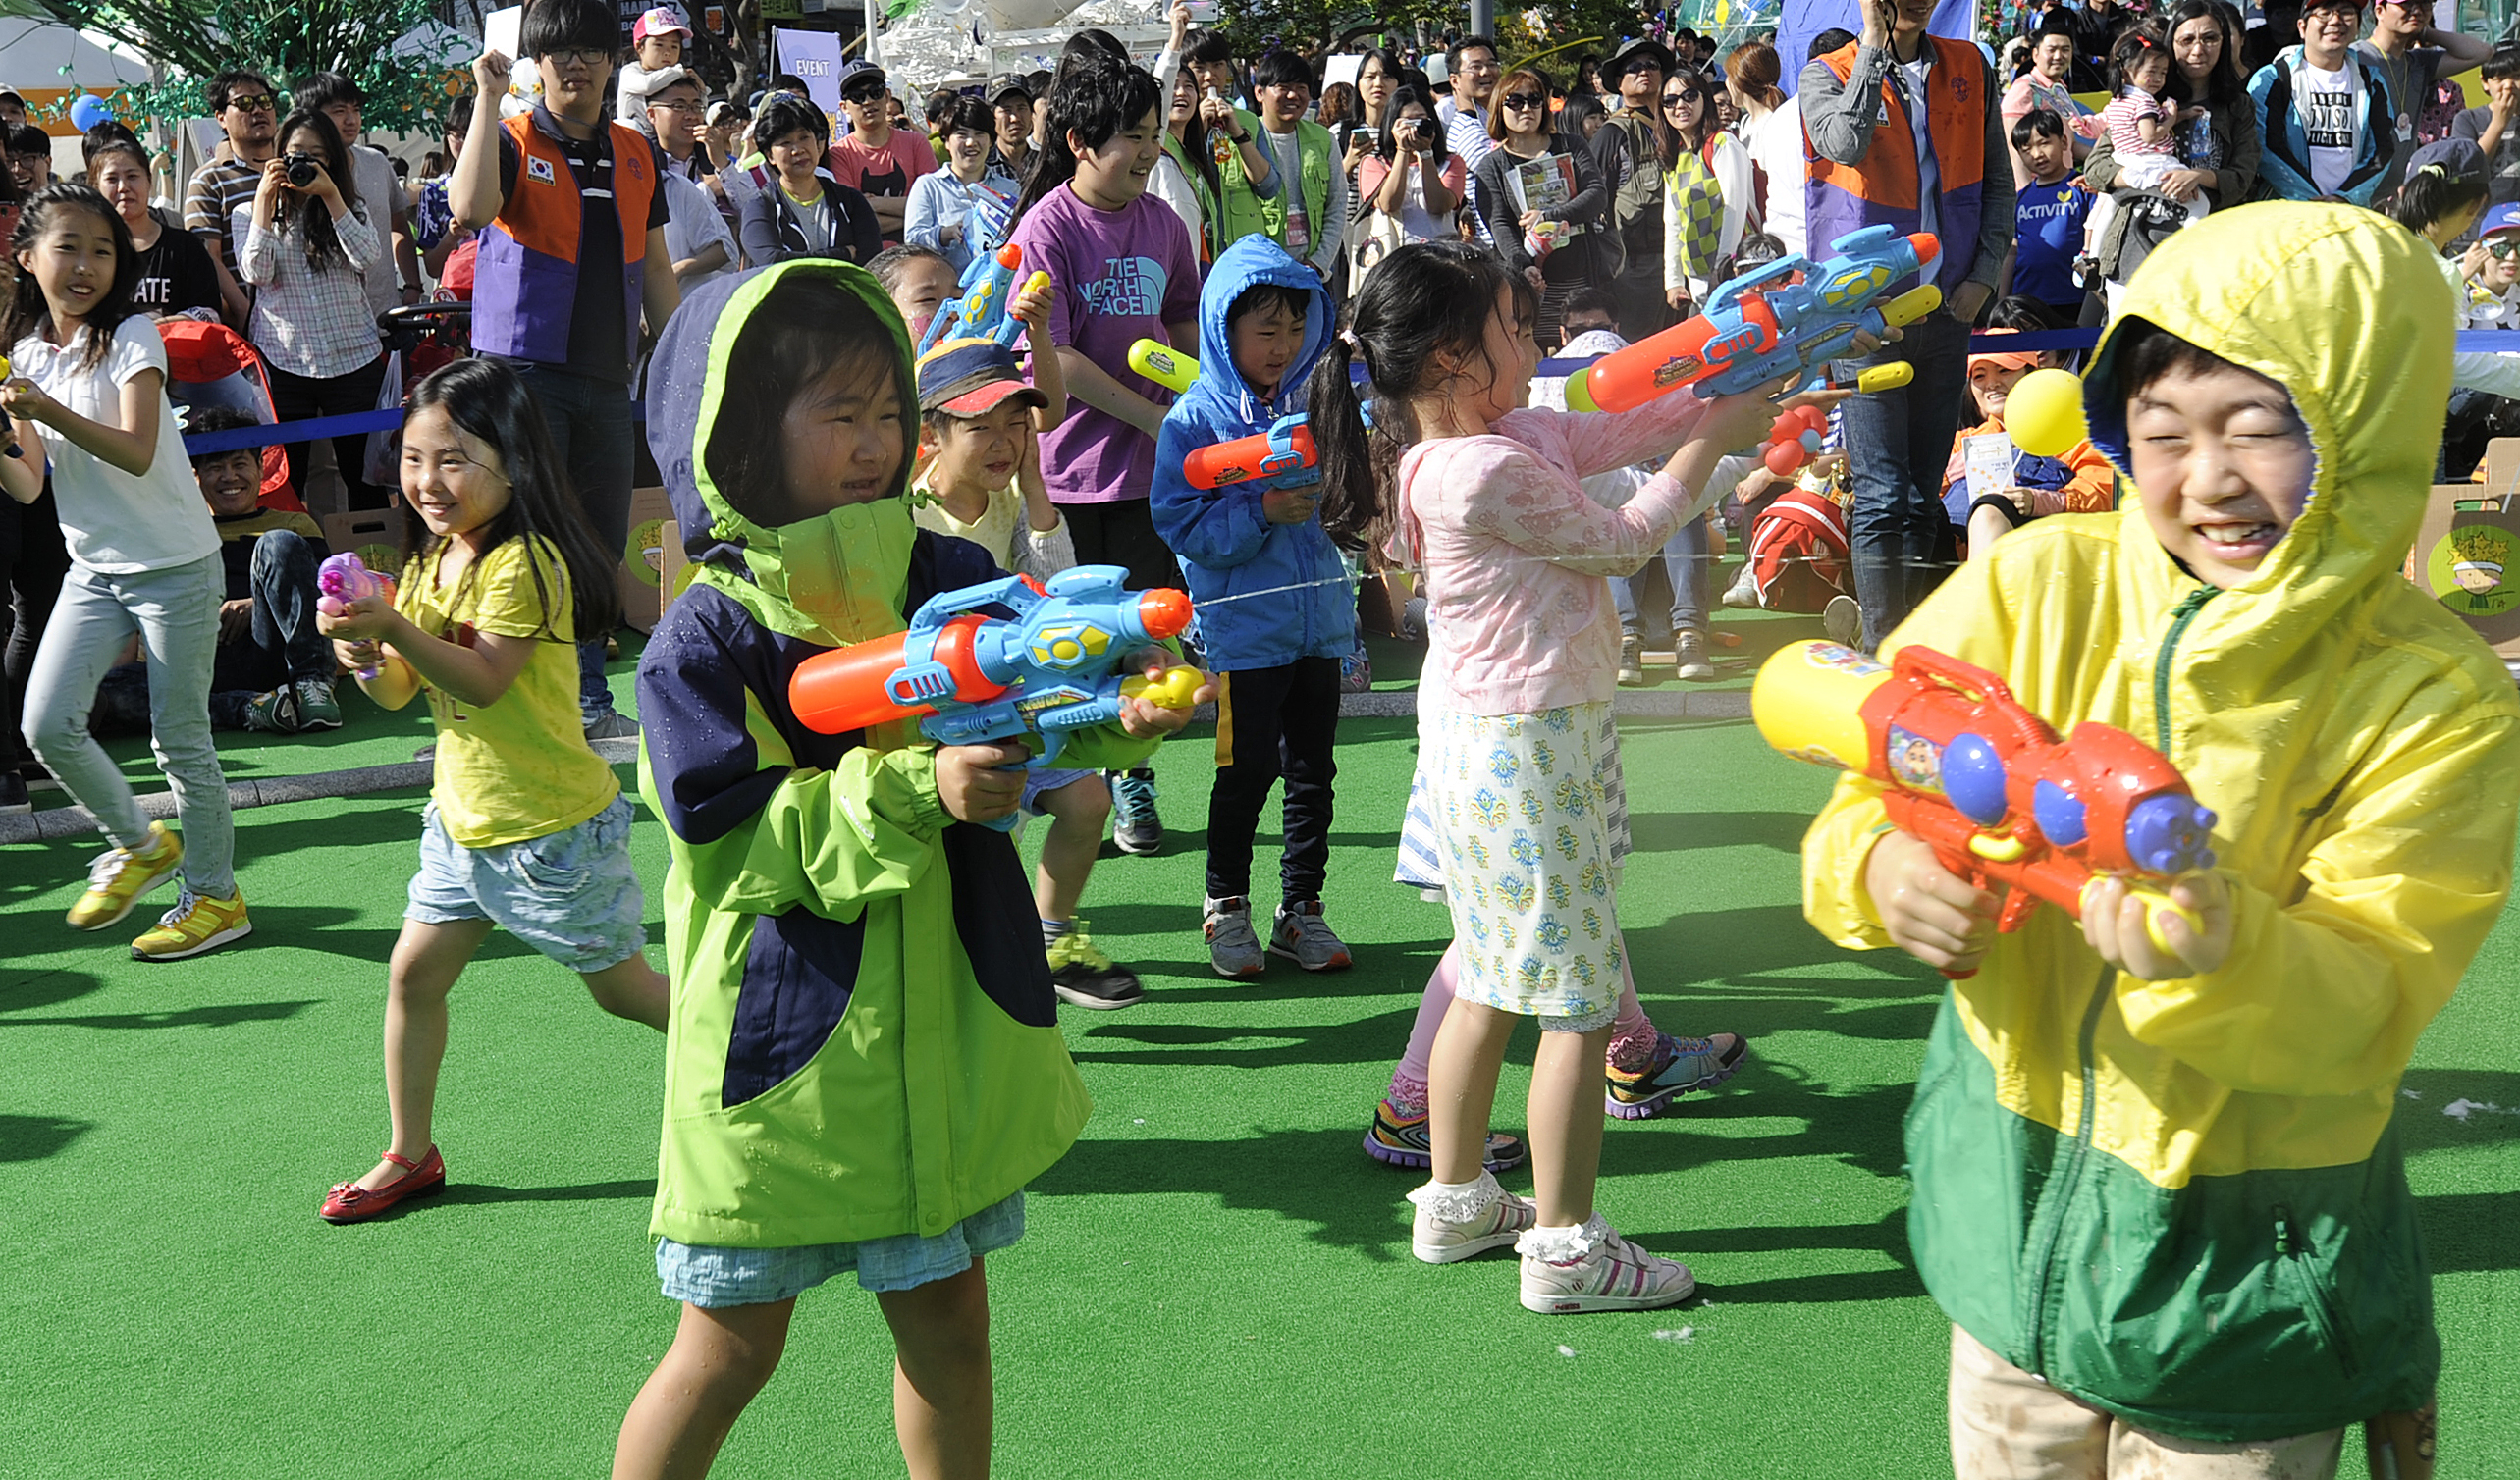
[
  {"x": 1486, "y": 505},
  {"x": 864, "y": 1067},
  {"x": 1276, "y": 611},
  {"x": 527, "y": 827},
  {"x": 2159, "y": 1191},
  {"x": 85, "y": 395}
]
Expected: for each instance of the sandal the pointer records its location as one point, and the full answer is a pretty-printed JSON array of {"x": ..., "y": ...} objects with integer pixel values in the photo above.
[{"x": 349, "y": 1203}]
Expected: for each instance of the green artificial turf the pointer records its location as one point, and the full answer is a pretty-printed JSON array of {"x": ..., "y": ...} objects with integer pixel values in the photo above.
[{"x": 1215, "y": 1282}]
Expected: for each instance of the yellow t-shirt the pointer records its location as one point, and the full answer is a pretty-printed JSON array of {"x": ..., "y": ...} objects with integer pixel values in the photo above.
[{"x": 521, "y": 767}]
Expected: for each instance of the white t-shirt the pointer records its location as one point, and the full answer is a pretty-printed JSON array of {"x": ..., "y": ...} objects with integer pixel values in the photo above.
[
  {"x": 379, "y": 193},
  {"x": 2331, "y": 104},
  {"x": 1776, "y": 147},
  {"x": 116, "y": 523}
]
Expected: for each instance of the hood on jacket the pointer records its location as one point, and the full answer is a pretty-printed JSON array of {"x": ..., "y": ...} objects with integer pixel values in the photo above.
[
  {"x": 1246, "y": 263},
  {"x": 834, "y": 578},
  {"x": 2346, "y": 310}
]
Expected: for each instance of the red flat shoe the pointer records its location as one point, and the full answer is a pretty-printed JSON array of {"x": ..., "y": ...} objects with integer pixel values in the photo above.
[{"x": 349, "y": 1203}]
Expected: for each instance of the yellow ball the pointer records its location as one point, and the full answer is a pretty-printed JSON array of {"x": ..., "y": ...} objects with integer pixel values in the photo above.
[{"x": 2044, "y": 412}]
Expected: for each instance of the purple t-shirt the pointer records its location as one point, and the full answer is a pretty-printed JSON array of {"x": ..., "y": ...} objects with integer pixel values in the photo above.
[{"x": 1122, "y": 276}]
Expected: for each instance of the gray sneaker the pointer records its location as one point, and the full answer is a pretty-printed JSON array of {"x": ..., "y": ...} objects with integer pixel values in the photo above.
[
  {"x": 1233, "y": 950},
  {"x": 307, "y": 703},
  {"x": 612, "y": 725},
  {"x": 1842, "y": 619},
  {"x": 1689, "y": 653},
  {"x": 1632, "y": 662},
  {"x": 1301, "y": 935}
]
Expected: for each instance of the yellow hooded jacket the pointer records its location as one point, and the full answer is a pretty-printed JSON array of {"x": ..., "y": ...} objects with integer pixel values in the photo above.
[{"x": 2184, "y": 1202}]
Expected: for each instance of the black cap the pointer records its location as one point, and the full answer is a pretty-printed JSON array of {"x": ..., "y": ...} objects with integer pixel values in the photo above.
[
  {"x": 1629, "y": 51},
  {"x": 1004, "y": 83},
  {"x": 862, "y": 82}
]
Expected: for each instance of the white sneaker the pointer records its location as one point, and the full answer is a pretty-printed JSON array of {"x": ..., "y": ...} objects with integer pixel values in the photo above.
[
  {"x": 1606, "y": 1272},
  {"x": 1842, "y": 619},
  {"x": 1452, "y": 1225}
]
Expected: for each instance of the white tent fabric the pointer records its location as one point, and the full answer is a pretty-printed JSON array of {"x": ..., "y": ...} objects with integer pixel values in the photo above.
[{"x": 32, "y": 54}]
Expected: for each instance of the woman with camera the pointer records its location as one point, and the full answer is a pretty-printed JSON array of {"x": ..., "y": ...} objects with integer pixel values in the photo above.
[
  {"x": 306, "y": 244},
  {"x": 1412, "y": 185}
]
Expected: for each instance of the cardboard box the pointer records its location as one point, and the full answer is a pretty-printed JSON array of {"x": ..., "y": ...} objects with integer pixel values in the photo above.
[
  {"x": 2467, "y": 557},
  {"x": 374, "y": 535},
  {"x": 642, "y": 572}
]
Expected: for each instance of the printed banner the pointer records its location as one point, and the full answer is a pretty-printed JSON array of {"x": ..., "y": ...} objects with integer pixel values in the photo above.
[{"x": 815, "y": 56}]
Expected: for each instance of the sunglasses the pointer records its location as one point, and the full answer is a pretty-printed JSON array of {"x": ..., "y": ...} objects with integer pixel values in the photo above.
[
  {"x": 253, "y": 102},
  {"x": 1674, "y": 99},
  {"x": 1524, "y": 100},
  {"x": 2506, "y": 248}
]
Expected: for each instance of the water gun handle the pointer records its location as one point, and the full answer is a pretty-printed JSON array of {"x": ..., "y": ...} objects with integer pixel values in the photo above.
[
  {"x": 1175, "y": 690},
  {"x": 1010, "y": 328},
  {"x": 2158, "y": 907}
]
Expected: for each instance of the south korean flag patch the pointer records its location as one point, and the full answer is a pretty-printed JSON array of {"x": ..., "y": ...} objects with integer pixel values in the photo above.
[{"x": 539, "y": 170}]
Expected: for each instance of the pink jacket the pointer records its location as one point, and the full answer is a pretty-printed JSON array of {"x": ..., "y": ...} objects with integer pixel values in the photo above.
[{"x": 1514, "y": 560}]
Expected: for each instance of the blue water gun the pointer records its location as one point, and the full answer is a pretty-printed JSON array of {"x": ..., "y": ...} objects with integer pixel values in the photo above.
[
  {"x": 986, "y": 310},
  {"x": 1757, "y": 327},
  {"x": 971, "y": 679}
]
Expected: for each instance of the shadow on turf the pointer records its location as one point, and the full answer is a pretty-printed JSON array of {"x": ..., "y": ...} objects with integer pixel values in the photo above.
[
  {"x": 32, "y": 1138},
  {"x": 458, "y": 1193}
]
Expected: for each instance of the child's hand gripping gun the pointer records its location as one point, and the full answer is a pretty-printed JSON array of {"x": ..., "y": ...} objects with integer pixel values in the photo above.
[
  {"x": 986, "y": 310},
  {"x": 343, "y": 579},
  {"x": 1285, "y": 448},
  {"x": 1758, "y": 327},
  {"x": 1986, "y": 783},
  {"x": 971, "y": 679}
]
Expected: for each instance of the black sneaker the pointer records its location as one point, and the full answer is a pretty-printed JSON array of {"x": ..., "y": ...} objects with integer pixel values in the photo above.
[
  {"x": 1084, "y": 976},
  {"x": 13, "y": 794}
]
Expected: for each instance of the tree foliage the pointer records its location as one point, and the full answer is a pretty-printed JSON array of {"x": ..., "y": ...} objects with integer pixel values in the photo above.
[{"x": 285, "y": 39}]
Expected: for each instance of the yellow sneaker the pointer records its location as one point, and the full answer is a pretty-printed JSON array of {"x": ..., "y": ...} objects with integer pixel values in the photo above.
[
  {"x": 195, "y": 925},
  {"x": 119, "y": 876}
]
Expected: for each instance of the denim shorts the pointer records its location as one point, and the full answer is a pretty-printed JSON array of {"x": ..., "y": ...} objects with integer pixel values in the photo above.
[
  {"x": 713, "y": 1277},
  {"x": 572, "y": 894},
  {"x": 1045, "y": 778}
]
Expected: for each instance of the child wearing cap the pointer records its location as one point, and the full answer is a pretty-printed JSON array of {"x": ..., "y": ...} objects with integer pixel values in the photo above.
[
  {"x": 657, "y": 40},
  {"x": 2077, "y": 483},
  {"x": 1276, "y": 611}
]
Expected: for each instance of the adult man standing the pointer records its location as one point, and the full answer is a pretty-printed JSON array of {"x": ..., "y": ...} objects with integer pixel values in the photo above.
[
  {"x": 878, "y": 160},
  {"x": 2411, "y": 57},
  {"x": 1471, "y": 66},
  {"x": 2325, "y": 122},
  {"x": 572, "y": 221},
  {"x": 394, "y": 277},
  {"x": 1012, "y": 103},
  {"x": 248, "y": 107},
  {"x": 1904, "y": 129},
  {"x": 1628, "y": 151}
]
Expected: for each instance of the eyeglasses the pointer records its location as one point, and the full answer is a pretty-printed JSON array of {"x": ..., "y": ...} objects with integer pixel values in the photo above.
[
  {"x": 588, "y": 56},
  {"x": 1468, "y": 65},
  {"x": 253, "y": 102},
  {"x": 688, "y": 105},
  {"x": 1524, "y": 100}
]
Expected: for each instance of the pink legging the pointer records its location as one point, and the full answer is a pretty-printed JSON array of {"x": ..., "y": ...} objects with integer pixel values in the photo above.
[{"x": 1631, "y": 1037}]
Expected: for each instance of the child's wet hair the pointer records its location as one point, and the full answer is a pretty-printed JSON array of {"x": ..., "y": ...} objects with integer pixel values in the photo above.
[
  {"x": 1297, "y": 301},
  {"x": 893, "y": 262},
  {"x": 2145, "y": 353},
  {"x": 1098, "y": 98},
  {"x": 1426, "y": 299},
  {"x": 806, "y": 327},
  {"x": 29, "y": 313},
  {"x": 487, "y": 402}
]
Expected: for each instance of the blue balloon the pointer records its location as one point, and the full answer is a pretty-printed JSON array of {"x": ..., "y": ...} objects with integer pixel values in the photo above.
[{"x": 89, "y": 110}]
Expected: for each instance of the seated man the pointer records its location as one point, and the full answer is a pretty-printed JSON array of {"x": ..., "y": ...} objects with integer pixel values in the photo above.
[{"x": 274, "y": 672}]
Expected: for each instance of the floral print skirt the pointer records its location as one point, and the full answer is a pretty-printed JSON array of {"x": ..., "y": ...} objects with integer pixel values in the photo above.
[{"x": 1522, "y": 802}]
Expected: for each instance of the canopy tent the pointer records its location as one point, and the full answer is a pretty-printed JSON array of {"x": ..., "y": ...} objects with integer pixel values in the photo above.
[{"x": 35, "y": 53}]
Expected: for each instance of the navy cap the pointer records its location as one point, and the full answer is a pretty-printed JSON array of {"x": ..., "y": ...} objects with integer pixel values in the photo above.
[
  {"x": 965, "y": 377},
  {"x": 2458, "y": 158}
]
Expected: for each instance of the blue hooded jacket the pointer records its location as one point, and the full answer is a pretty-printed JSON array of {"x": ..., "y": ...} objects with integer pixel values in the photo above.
[
  {"x": 1226, "y": 544},
  {"x": 2284, "y": 166}
]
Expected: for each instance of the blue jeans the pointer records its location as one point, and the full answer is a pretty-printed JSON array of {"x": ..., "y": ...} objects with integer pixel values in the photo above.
[
  {"x": 1686, "y": 561},
  {"x": 1897, "y": 444},
  {"x": 281, "y": 648},
  {"x": 591, "y": 434}
]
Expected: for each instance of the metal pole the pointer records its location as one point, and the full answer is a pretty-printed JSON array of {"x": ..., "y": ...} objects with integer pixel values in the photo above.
[
  {"x": 874, "y": 8},
  {"x": 1482, "y": 17}
]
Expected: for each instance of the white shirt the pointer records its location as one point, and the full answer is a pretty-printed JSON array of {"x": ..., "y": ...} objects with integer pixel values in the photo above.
[
  {"x": 379, "y": 193},
  {"x": 2331, "y": 104},
  {"x": 1167, "y": 183},
  {"x": 1776, "y": 147},
  {"x": 691, "y": 222},
  {"x": 116, "y": 523}
]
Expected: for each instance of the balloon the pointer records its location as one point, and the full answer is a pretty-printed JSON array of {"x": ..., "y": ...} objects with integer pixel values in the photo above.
[
  {"x": 2044, "y": 412},
  {"x": 89, "y": 110}
]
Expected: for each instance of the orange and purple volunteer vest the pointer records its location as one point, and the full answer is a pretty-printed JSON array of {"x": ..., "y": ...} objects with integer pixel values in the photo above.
[
  {"x": 525, "y": 286},
  {"x": 1880, "y": 190}
]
